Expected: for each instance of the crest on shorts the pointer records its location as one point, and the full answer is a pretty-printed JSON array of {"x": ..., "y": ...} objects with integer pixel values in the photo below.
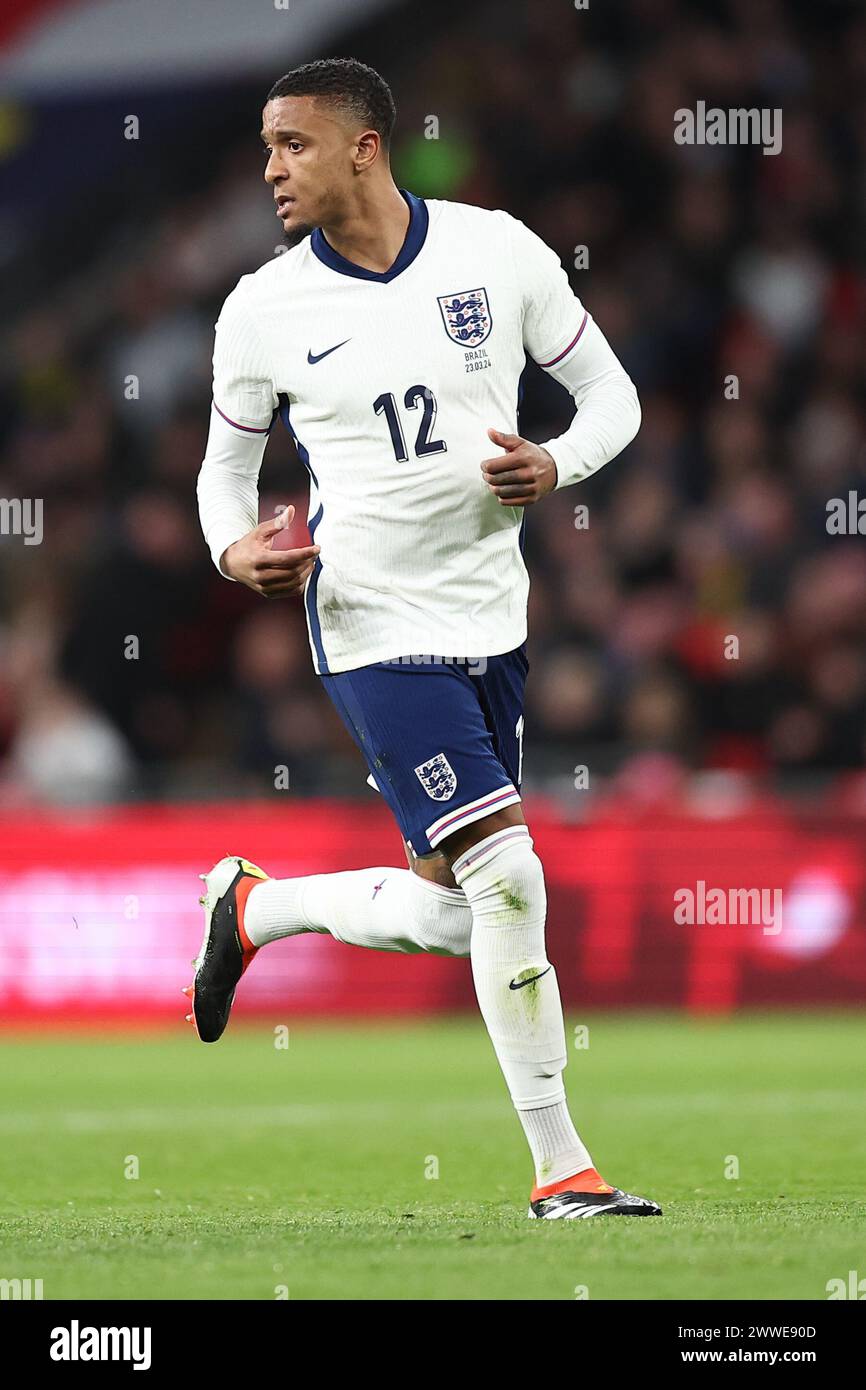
[
  {"x": 437, "y": 777},
  {"x": 466, "y": 316}
]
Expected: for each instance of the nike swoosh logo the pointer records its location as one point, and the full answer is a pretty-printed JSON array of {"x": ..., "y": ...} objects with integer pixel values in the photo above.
[
  {"x": 313, "y": 358},
  {"x": 518, "y": 984}
]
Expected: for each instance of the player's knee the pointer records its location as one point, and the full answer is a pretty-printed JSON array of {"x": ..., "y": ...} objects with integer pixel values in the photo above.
[
  {"x": 503, "y": 878},
  {"x": 518, "y": 891}
]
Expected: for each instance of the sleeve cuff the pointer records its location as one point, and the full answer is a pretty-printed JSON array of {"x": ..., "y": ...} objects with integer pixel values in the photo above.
[
  {"x": 219, "y": 540},
  {"x": 566, "y": 473}
]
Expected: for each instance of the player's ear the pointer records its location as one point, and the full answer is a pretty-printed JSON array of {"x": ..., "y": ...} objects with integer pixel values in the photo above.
[{"x": 368, "y": 145}]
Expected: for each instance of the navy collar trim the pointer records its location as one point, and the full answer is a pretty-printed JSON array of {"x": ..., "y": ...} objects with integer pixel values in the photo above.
[{"x": 416, "y": 235}]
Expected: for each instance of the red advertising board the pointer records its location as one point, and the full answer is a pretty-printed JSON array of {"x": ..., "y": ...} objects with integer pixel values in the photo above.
[{"x": 99, "y": 917}]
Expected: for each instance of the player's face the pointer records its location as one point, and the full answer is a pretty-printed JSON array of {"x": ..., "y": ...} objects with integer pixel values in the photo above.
[{"x": 309, "y": 163}]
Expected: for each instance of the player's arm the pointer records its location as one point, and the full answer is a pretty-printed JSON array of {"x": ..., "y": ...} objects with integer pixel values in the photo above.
[
  {"x": 562, "y": 338},
  {"x": 243, "y": 409}
]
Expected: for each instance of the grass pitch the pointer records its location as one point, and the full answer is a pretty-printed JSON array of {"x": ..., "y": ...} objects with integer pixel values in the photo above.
[{"x": 384, "y": 1162}]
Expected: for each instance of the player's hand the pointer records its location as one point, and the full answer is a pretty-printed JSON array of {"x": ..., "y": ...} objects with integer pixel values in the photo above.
[
  {"x": 522, "y": 475},
  {"x": 271, "y": 573}
]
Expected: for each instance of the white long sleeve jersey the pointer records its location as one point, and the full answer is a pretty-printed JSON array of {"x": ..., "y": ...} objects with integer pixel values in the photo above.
[{"x": 389, "y": 383}]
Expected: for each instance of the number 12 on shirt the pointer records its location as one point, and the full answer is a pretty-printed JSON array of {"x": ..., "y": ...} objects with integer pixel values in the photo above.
[{"x": 386, "y": 405}]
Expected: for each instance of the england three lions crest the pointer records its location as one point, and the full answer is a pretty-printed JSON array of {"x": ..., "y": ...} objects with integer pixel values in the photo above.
[
  {"x": 437, "y": 777},
  {"x": 466, "y": 316}
]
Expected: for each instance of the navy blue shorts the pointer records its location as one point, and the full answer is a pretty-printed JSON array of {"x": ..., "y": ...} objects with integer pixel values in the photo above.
[{"x": 442, "y": 740}]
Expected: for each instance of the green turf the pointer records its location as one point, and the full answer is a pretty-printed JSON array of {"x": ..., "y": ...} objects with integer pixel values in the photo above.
[{"x": 306, "y": 1167}]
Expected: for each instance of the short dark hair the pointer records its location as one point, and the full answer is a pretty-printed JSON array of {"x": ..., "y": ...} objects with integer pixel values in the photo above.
[{"x": 355, "y": 88}]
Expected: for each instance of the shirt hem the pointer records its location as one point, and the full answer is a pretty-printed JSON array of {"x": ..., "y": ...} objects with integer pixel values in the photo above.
[{"x": 371, "y": 655}]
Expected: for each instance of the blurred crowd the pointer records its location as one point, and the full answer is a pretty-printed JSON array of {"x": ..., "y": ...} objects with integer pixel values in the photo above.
[{"x": 699, "y": 608}]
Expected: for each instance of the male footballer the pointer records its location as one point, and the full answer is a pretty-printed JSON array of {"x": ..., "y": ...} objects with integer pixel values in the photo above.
[{"x": 390, "y": 337}]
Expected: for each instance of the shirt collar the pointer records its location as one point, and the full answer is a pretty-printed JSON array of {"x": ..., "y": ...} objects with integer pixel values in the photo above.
[{"x": 416, "y": 234}]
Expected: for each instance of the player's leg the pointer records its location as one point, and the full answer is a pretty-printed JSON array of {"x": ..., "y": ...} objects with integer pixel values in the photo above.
[
  {"x": 386, "y": 908},
  {"x": 494, "y": 861},
  {"x": 495, "y": 864},
  {"x": 389, "y": 909},
  {"x": 422, "y": 909},
  {"x": 415, "y": 909}
]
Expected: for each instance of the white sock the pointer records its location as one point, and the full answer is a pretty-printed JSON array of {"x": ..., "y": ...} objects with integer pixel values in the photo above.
[
  {"x": 557, "y": 1150},
  {"x": 503, "y": 881},
  {"x": 387, "y": 909}
]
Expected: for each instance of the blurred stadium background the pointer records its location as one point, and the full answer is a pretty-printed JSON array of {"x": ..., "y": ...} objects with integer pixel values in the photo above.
[{"x": 652, "y": 761}]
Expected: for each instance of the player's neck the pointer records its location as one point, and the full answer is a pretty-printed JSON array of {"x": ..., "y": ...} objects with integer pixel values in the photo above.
[{"x": 372, "y": 233}]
